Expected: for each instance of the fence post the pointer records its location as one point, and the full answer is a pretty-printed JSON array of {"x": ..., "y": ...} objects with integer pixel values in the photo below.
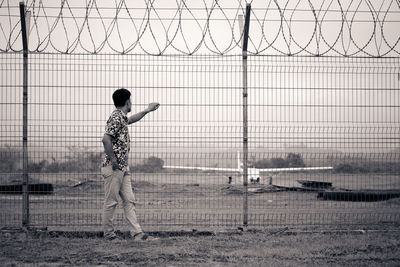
[
  {"x": 245, "y": 115},
  {"x": 25, "y": 19}
]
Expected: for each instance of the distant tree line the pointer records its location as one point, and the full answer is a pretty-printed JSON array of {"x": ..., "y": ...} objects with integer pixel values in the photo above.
[
  {"x": 367, "y": 167},
  {"x": 292, "y": 160},
  {"x": 11, "y": 161},
  {"x": 149, "y": 165},
  {"x": 86, "y": 162},
  {"x": 91, "y": 163}
]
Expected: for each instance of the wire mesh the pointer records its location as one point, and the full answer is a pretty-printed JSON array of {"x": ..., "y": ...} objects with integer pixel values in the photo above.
[
  {"x": 325, "y": 112},
  {"x": 11, "y": 136},
  {"x": 323, "y": 131},
  {"x": 303, "y": 112}
]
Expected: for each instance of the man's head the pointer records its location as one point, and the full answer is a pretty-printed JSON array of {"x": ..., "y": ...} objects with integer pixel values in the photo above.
[{"x": 122, "y": 98}]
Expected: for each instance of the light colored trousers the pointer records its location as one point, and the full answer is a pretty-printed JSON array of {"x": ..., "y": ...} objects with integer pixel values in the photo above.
[{"x": 116, "y": 183}]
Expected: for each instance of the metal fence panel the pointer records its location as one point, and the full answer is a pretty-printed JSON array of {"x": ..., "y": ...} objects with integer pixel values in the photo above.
[
  {"x": 303, "y": 112},
  {"x": 336, "y": 112}
]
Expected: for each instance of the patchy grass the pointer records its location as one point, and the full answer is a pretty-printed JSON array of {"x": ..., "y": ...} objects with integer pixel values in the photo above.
[{"x": 267, "y": 248}]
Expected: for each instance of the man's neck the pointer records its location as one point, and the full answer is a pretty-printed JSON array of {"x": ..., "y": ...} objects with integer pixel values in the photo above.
[{"x": 123, "y": 110}]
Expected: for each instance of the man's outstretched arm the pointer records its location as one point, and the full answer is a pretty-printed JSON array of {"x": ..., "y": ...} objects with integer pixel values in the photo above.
[{"x": 140, "y": 115}]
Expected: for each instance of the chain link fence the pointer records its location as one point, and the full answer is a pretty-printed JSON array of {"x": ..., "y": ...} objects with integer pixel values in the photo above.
[
  {"x": 301, "y": 129},
  {"x": 186, "y": 158}
]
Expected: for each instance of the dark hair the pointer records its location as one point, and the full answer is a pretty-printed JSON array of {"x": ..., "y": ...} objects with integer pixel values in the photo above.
[{"x": 120, "y": 97}]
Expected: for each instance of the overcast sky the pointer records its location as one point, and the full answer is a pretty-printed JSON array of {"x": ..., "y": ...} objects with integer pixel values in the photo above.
[{"x": 327, "y": 102}]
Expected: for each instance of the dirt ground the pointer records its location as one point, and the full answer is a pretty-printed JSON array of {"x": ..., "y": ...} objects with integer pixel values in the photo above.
[
  {"x": 197, "y": 206},
  {"x": 274, "y": 247},
  {"x": 196, "y": 199}
]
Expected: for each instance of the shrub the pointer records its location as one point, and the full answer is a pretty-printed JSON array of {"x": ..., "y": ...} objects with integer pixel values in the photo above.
[
  {"x": 88, "y": 162},
  {"x": 367, "y": 167},
  {"x": 279, "y": 163},
  {"x": 152, "y": 164},
  {"x": 345, "y": 168},
  {"x": 263, "y": 163},
  {"x": 292, "y": 160},
  {"x": 37, "y": 167},
  {"x": 10, "y": 159},
  {"x": 295, "y": 160}
]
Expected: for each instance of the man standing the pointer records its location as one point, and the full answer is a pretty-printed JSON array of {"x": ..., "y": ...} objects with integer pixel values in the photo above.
[{"x": 115, "y": 169}]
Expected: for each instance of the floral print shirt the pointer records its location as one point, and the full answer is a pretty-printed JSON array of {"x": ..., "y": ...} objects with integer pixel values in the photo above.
[{"x": 117, "y": 127}]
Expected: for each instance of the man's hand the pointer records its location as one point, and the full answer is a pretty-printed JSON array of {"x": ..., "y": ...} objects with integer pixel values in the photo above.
[
  {"x": 107, "y": 143},
  {"x": 153, "y": 107},
  {"x": 114, "y": 164},
  {"x": 138, "y": 116}
]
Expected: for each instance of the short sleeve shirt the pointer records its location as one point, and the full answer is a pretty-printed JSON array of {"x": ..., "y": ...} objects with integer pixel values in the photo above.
[{"x": 117, "y": 127}]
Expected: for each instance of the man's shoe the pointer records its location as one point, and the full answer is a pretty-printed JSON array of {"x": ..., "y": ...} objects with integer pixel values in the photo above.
[
  {"x": 144, "y": 237},
  {"x": 112, "y": 237}
]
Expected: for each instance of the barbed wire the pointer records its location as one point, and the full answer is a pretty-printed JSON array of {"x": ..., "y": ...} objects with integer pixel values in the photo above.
[{"x": 355, "y": 28}]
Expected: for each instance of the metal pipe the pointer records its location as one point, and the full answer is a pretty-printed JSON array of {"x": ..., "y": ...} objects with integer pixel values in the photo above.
[
  {"x": 25, "y": 18},
  {"x": 245, "y": 116}
]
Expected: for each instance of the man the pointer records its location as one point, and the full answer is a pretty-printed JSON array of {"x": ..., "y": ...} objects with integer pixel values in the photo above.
[{"x": 115, "y": 169}]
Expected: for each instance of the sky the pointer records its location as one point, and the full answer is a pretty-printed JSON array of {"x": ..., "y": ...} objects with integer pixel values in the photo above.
[{"x": 332, "y": 103}]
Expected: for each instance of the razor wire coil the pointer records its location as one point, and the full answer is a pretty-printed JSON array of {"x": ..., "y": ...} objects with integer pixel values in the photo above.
[{"x": 360, "y": 28}]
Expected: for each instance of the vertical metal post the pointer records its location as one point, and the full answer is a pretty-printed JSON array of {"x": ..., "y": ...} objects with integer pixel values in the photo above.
[
  {"x": 25, "y": 18},
  {"x": 245, "y": 115}
]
